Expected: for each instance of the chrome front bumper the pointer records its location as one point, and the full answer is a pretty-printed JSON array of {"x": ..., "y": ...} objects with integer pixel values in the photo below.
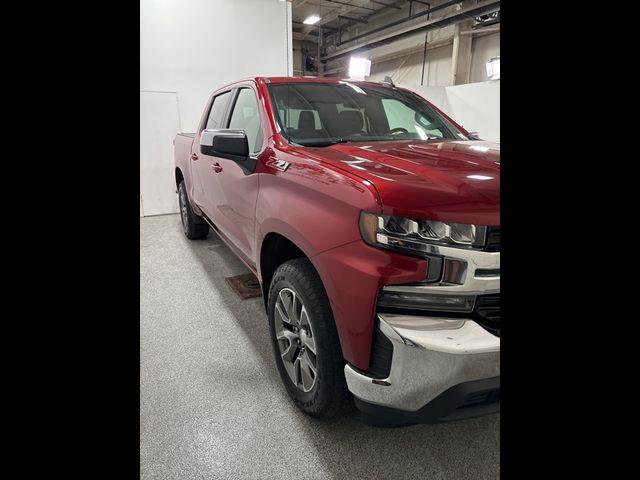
[{"x": 432, "y": 354}]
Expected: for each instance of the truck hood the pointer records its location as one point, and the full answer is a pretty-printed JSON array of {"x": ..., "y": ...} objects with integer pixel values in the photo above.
[{"x": 454, "y": 181}]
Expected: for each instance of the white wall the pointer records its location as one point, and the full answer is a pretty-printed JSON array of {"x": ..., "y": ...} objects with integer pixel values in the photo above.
[
  {"x": 192, "y": 47},
  {"x": 475, "y": 106},
  {"x": 159, "y": 122},
  {"x": 408, "y": 69}
]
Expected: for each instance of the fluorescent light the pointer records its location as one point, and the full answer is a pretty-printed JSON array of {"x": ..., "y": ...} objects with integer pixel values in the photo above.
[
  {"x": 359, "y": 67},
  {"x": 480, "y": 177},
  {"x": 493, "y": 68},
  {"x": 311, "y": 20}
]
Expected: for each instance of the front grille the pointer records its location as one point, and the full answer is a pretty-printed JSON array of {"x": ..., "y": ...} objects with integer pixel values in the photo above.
[
  {"x": 487, "y": 312},
  {"x": 493, "y": 239}
]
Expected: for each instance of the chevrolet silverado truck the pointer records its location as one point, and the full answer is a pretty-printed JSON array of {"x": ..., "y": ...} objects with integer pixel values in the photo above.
[{"x": 372, "y": 222}]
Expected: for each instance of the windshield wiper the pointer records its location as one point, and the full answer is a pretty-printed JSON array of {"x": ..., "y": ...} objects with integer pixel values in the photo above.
[{"x": 325, "y": 143}]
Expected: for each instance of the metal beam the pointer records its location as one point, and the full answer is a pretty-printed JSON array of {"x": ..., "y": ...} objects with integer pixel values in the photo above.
[
  {"x": 353, "y": 19},
  {"x": 298, "y": 36},
  {"x": 385, "y": 4},
  {"x": 381, "y": 10},
  {"x": 328, "y": 17},
  {"x": 391, "y": 33},
  {"x": 324, "y": 27},
  {"x": 478, "y": 31},
  {"x": 410, "y": 50},
  {"x": 404, "y": 20},
  {"x": 352, "y": 5},
  {"x": 333, "y": 14}
]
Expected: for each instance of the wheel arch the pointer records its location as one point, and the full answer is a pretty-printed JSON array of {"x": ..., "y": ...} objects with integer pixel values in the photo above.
[
  {"x": 179, "y": 177},
  {"x": 277, "y": 249},
  {"x": 274, "y": 251}
]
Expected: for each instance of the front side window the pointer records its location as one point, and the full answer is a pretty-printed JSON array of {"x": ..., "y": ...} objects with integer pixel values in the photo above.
[
  {"x": 246, "y": 116},
  {"x": 216, "y": 114},
  {"x": 316, "y": 114},
  {"x": 403, "y": 118}
]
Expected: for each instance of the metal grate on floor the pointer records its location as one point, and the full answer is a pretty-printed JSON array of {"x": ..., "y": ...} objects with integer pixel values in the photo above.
[{"x": 245, "y": 285}]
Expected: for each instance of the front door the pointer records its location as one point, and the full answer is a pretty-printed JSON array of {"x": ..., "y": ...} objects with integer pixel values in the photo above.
[{"x": 235, "y": 200}]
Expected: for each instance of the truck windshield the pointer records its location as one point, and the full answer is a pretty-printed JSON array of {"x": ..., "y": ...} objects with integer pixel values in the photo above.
[{"x": 317, "y": 114}]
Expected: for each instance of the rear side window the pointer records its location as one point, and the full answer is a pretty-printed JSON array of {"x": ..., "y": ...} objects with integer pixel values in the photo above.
[
  {"x": 246, "y": 116},
  {"x": 216, "y": 114}
]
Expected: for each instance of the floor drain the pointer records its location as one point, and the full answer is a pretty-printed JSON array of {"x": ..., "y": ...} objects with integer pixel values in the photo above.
[{"x": 245, "y": 285}]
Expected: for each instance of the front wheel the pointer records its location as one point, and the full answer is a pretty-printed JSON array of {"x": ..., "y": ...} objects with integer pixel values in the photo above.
[{"x": 305, "y": 341}]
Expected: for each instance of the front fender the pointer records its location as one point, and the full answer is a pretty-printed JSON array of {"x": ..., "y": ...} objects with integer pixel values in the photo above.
[{"x": 318, "y": 210}]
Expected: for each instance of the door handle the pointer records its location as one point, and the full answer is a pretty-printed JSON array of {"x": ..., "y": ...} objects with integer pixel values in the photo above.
[
  {"x": 194, "y": 156},
  {"x": 216, "y": 167}
]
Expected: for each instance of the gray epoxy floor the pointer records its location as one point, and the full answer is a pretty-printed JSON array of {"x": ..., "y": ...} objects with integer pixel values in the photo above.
[{"x": 211, "y": 402}]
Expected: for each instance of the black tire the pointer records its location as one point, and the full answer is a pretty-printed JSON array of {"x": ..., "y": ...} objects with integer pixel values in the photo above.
[
  {"x": 194, "y": 226},
  {"x": 329, "y": 395}
]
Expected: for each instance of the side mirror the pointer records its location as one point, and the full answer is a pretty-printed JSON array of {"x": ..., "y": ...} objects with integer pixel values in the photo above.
[
  {"x": 225, "y": 143},
  {"x": 473, "y": 136}
]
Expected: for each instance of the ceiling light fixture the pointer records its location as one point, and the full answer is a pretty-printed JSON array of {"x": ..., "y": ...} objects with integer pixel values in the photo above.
[
  {"x": 311, "y": 20},
  {"x": 493, "y": 68},
  {"x": 359, "y": 67}
]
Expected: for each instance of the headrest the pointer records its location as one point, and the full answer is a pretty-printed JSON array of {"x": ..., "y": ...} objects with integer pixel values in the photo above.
[
  {"x": 306, "y": 121},
  {"x": 350, "y": 121}
]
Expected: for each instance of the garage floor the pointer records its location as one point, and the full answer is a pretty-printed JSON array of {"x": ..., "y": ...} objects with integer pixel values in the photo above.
[{"x": 211, "y": 402}]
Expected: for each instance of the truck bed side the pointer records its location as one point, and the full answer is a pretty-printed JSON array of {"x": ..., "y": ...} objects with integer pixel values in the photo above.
[{"x": 181, "y": 152}]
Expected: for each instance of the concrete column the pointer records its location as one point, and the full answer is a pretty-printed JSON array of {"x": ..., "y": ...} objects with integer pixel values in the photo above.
[
  {"x": 289, "y": 17},
  {"x": 461, "y": 57}
]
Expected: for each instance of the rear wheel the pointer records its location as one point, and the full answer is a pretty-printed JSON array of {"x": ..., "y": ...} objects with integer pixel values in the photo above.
[
  {"x": 194, "y": 226},
  {"x": 305, "y": 341}
]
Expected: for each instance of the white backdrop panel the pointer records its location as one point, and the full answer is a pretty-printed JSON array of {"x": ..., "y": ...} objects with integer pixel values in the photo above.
[
  {"x": 193, "y": 47},
  {"x": 475, "y": 106},
  {"x": 435, "y": 95},
  {"x": 158, "y": 125}
]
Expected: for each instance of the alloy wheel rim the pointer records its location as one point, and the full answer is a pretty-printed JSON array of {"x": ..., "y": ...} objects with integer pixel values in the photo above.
[{"x": 296, "y": 340}]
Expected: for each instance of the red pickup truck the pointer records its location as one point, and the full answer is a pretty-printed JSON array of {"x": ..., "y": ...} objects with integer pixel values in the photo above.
[{"x": 372, "y": 221}]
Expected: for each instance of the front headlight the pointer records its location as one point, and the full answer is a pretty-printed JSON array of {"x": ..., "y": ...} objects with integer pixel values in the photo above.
[{"x": 400, "y": 233}]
